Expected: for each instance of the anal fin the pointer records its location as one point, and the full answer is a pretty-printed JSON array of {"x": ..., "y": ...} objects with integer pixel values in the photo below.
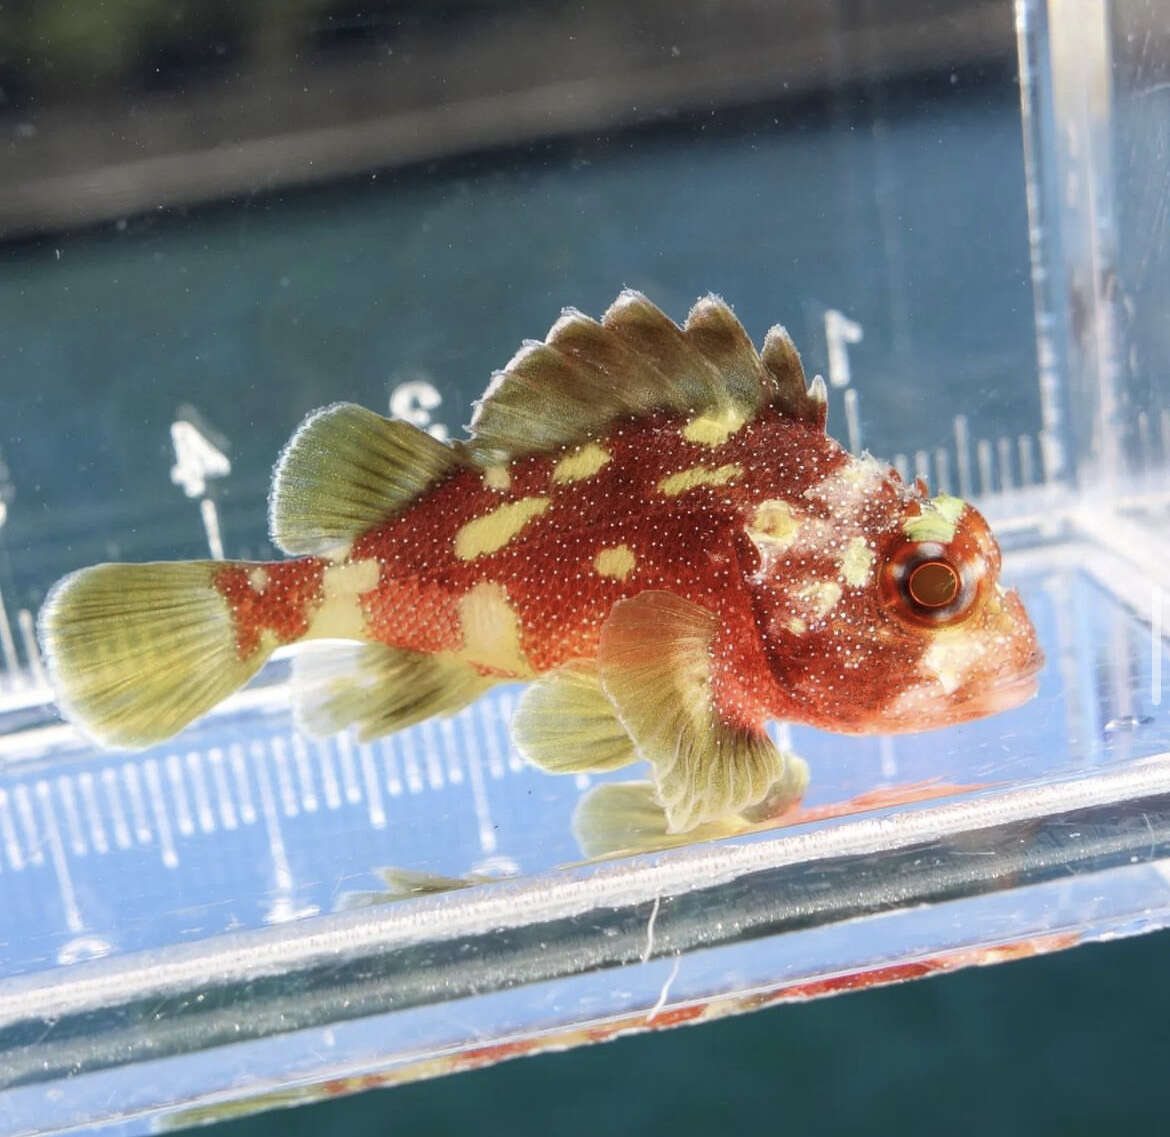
[
  {"x": 378, "y": 689},
  {"x": 566, "y": 724},
  {"x": 656, "y": 661}
]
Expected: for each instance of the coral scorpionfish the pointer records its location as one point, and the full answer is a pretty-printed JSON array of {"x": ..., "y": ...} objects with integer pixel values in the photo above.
[{"x": 647, "y": 522}]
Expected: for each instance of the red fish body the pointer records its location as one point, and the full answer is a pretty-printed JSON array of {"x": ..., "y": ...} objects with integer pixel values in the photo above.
[{"x": 648, "y": 521}]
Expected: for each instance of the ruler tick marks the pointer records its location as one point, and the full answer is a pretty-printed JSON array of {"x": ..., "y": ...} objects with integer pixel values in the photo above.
[
  {"x": 304, "y": 773},
  {"x": 373, "y": 790},
  {"x": 243, "y": 788},
  {"x": 431, "y": 756},
  {"x": 390, "y": 763},
  {"x": 451, "y": 743},
  {"x": 93, "y": 814},
  {"x": 353, "y": 792},
  {"x": 162, "y": 821},
  {"x": 410, "y": 763},
  {"x": 133, "y": 786},
  {"x": 486, "y": 714},
  {"x": 328, "y": 774},
  {"x": 12, "y": 847},
  {"x": 284, "y": 784},
  {"x": 223, "y": 797},
  {"x": 72, "y": 914},
  {"x": 117, "y": 814},
  {"x": 199, "y": 792},
  {"x": 507, "y": 707},
  {"x": 487, "y": 834},
  {"x": 183, "y": 816},
  {"x": 24, "y": 813},
  {"x": 77, "y": 843}
]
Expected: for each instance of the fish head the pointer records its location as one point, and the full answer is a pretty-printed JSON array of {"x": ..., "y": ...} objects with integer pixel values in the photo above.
[
  {"x": 940, "y": 592},
  {"x": 891, "y": 617}
]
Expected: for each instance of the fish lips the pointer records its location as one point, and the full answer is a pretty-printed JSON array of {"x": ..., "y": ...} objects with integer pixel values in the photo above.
[{"x": 1007, "y": 693}]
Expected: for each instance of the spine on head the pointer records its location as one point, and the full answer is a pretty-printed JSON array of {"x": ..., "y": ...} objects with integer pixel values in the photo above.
[{"x": 136, "y": 652}]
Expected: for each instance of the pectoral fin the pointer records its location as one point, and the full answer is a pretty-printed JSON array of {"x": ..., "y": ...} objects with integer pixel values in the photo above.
[
  {"x": 566, "y": 724},
  {"x": 657, "y": 664}
]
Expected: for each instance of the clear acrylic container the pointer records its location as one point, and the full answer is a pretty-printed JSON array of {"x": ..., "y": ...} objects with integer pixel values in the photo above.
[{"x": 197, "y": 931}]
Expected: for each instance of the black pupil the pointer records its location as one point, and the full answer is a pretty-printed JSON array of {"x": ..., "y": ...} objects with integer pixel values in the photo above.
[{"x": 933, "y": 584}]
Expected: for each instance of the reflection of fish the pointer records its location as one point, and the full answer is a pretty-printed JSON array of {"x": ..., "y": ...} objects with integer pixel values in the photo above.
[{"x": 650, "y": 519}]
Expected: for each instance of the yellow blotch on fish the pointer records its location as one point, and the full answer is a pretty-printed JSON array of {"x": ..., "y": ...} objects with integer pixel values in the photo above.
[
  {"x": 340, "y": 614},
  {"x": 617, "y": 562},
  {"x": 696, "y": 476},
  {"x": 820, "y": 596},
  {"x": 491, "y": 630},
  {"x": 490, "y": 533},
  {"x": 582, "y": 463},
  {"x": 774, "y": 522},
  {"x": 856, "y": 562},
  {"x": 498, "y": 478},
  {"x": 715, "y": 427},
  {"x": 938, "y": 521}
]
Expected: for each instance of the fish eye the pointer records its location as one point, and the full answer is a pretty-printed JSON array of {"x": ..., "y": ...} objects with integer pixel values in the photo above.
[
  {"x": 921, "y": 584},
  {"x": 933, "y": 584}
]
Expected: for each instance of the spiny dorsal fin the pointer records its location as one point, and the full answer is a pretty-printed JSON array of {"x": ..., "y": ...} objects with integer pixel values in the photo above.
[
  {"x": 586, "y": 374},
  {"x": 344, "y": 470}
]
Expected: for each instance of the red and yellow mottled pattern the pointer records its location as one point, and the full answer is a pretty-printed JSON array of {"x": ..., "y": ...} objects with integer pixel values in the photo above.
[{"x": 769, "y": 524}]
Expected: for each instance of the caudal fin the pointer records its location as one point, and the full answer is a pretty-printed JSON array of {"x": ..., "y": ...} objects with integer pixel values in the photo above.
[{"x": 136, "y": 652}]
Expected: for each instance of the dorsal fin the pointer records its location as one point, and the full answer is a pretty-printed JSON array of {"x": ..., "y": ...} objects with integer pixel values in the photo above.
[
  {"x": 344, "y": 470},
  {"x": 586, "y": 374}
]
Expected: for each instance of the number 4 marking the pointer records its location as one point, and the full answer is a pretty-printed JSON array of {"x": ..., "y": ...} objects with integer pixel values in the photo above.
[{"x": 196, "y": 459}]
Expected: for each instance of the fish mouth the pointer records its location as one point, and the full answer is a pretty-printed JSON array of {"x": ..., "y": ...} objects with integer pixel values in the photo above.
[{"x": 1010, "y": 692}]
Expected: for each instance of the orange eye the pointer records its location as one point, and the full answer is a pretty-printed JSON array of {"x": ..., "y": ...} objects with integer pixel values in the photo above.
[
  {"x": 922, "y": 585},
  {"x": 933, "y": 584}
]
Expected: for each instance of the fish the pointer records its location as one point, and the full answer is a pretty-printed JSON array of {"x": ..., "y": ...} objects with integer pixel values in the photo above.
[{"x": 647, "y": 523}]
